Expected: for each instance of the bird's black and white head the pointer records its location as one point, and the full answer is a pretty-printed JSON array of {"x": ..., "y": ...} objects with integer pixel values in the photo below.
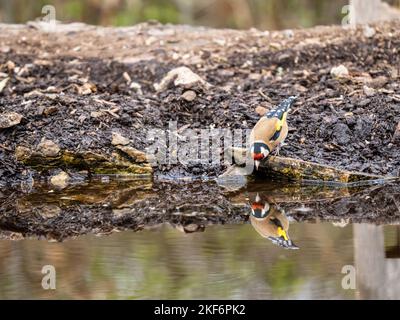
[
  {"x": 259, "y": 151},
  {"x": 260, "y": 208}
]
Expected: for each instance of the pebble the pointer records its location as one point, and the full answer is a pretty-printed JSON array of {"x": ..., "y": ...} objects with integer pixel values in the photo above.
[
  {"x": 368, "y": 91},
  {"x": 181, "y": 76},
  {"x": 340, "y": 71},
  {"x": 118, "y": 139},
  {"x": 48, "y": 148},
  {"x": 60, "y": 180},
  {"x": 9, "y": 119},
  {"x": 368, "y": 31},
  {"x": 189, "y": 95}
]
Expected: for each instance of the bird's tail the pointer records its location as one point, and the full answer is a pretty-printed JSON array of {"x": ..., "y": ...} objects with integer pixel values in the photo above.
[{"x": 287, "y": 103}]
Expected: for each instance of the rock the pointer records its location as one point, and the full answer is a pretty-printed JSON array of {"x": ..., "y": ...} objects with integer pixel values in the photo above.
[
  {"x": 48, "y": 148},
  {"x": 368, "y": 31},
  {"x": 340, "y": 72},
  {"x": 97, "y": 114},
  {"x": 189, "y": 95},
  {"x": 87, "y": 88},
  {"x": 9, "y": 119},
  {"x": 342, "y": 133},
  {"x": 10, "y": 65},
  {"x": 3, "y": 83},
  {"x": 118, "y": 139},
  {"x": 50, "y": 110},
  {"x": 60, "y": 181},
  {"x": 261, "y": 111},
  {"x": 137, "y": 87},
  {"x": 368, "y": 91},
  {"x": 288, "y": 33},
  {"x": 22, "y": 153},
  {"x": 138, "y": 156},
  {"x": 181, "y": 76}
]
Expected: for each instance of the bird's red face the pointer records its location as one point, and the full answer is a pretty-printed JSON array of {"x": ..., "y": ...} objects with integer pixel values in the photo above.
[
  {"x": 258, "y": 156},
  {"x": 259, "y": 151}
]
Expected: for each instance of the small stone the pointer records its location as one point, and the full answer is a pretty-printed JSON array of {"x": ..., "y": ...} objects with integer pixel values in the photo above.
[
  {"x": 288, "y": 33},
  {"x": 97, "y": 114},
  {"x": 261, "y": 111},
  {"x": 118, "y": 139},
  {"x": 189, "y": 95},
  {"x": 339, "y": 71},
  {"x": 137, "y": 87},
  {"x": 368, "y": 91},
  {"x": 181, "y": 76},
  {"x": 9, "y": 119},
  {"x": 135, "y": 154},
  {"x": 342, "y": 133},
  {"x": 48, "y": 148},
  {"x": 50, "y": 110},
  {"x": 368, "y": 31},
  {"x": 60, "y": 181},
  {"x": 3, "y": 82},
  {"x": 22, "y": 153},
  {"x": 87, "y": 88}
]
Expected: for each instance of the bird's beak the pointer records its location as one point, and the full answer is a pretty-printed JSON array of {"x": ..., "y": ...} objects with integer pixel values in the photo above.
[{"x": 257, "y": 164}]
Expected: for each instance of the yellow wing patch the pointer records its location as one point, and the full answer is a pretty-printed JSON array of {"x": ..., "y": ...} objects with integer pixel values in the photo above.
[{"x": 280, "y": 122}]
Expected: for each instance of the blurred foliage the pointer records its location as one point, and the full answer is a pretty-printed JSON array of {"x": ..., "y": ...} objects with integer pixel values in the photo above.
[{"x": 263, "y": 14}]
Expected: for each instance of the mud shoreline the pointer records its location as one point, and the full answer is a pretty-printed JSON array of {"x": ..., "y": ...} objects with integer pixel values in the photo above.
[{"x": 66, "y": 93}]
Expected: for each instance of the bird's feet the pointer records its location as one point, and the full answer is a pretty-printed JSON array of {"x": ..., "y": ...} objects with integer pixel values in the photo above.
[{"x": 278, "y": 148}]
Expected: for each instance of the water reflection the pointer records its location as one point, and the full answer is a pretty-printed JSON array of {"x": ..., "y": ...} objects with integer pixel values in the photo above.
[
  {"x": 218, "y": 254},
  {"x": 270, "y": 222}
]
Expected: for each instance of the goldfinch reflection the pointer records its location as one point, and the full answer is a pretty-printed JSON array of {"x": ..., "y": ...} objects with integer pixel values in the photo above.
[{"x": 270, "y": 222}]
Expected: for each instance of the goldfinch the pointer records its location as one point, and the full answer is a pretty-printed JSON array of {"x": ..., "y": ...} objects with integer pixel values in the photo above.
[
  {"x": 270, "y": 131},
  {"x": 271, "y": 223}
]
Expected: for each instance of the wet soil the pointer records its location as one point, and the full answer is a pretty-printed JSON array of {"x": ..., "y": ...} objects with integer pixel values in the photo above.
[
  {"x": 334, "y": 122},
  {"x": 106, "y": 207}
]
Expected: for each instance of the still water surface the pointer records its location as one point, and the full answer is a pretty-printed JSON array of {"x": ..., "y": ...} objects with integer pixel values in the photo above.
[{"x": 223, "y": 262}]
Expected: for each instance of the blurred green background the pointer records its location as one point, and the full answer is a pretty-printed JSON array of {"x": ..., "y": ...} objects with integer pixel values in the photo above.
[{"x": 242, "y": 14}]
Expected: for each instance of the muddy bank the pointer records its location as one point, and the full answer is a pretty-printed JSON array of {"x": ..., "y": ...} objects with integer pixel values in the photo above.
[
  {"x": 78, "y": 85},
  {"x": 106, "y": 207}
]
